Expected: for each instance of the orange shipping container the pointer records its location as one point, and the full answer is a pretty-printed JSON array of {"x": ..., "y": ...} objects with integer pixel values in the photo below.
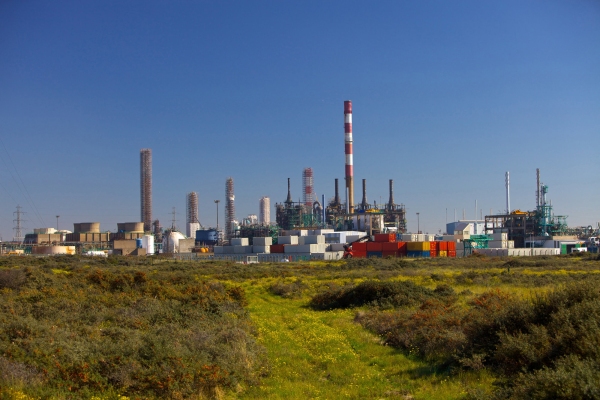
[
  {"x": 442, "y": 246},
  {"x": 433, "y": 253},
  {"x": 385, "y": 237},
  {"x": 374, "y": 246},
  {"x": 451, "y": 246},
  {"x": 451, "y": 253},
  {"x": 359, "y": 254},
  {"x": 433, "y": 246}
]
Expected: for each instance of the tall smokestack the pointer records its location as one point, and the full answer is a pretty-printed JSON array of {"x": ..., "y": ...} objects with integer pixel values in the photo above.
[
  {"x": 537, "y": 190},
  {"x": 391, "y": 202},
  {"x": 146, "y": 188},
  {"x": 336, "y": 200},
  {"x": 364, "y": 199},
  {"x": 507, "y": 193},
  {"x": 289, "y": 196},
  {"x": 349, "y": 153}
]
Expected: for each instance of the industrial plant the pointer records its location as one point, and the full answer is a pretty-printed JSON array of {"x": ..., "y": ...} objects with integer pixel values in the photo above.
[{"x": 313, "y": 228}]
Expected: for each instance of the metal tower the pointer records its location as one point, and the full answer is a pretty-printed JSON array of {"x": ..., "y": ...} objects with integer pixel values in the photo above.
[
  {"x": 18, "y": 227},
  {"x": 229, "y": 207},
  {"x": 192, "y": 221},
  {"x": 308, "y": 190},
  {"x": 146, "y": 188}
]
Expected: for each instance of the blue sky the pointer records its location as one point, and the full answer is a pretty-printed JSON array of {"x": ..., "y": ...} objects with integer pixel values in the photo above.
[{"x": 447, "y": 97}]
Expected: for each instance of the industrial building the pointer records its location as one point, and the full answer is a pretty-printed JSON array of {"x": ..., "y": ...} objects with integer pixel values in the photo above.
[{"x": 315, "y": 228}]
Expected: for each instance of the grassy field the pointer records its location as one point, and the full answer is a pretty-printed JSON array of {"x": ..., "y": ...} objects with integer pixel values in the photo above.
[
  {"x": 326, "y": 355},
  {"x": 414, "y": 338}
]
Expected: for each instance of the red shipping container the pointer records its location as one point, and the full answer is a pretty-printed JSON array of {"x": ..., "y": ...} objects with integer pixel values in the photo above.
[
  {"x": 359, "y": 254},
  {"x": 360, "y": 247},
  {"x": 385, "y": 254},
  {"x": 442, "y": 246},
  {"x": 433, "y": 254},
  {"x": 277, "y": 248},
  {"x": 451, "y": 246},
  {"x": 385, "y": 237},
  {"x": 433, "y": 246},
  {"x": 402, "y": 249},
  {"x": 389, "y": 246},
  {"x": 451, "y": 253},
  {"x": 374, "y": 246}
]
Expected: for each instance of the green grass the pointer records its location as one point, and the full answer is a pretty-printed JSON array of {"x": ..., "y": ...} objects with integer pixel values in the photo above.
[
  {"x": 326, "y": 355},
  {"x": 311, "y": 353}
]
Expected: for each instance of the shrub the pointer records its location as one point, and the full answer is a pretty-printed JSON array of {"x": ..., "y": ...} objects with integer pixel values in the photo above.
[
  {"x": 378, "y": 293},
  {"x": 12, "y": 278},
  {"x": 288, "y": 290}
]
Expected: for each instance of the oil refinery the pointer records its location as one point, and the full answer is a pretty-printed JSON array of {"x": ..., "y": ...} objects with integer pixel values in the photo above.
[{"x": 313, "y": 227}]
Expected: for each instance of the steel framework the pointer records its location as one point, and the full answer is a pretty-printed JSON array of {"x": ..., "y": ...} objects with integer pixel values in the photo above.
[{"x": 146, "y": 188}]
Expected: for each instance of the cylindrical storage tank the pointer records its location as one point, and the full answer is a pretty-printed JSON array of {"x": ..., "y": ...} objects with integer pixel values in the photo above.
[
  {"x": 89, "y": 227},
  {"x": 130, "y": 227},
  {"x": 138, "y": 243},
  {"x": 51, "y": 250},
  {"x": 148, "y": 244}
]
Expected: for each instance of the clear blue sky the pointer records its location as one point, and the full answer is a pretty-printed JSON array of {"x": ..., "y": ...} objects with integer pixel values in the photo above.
[{"x": 447, "y": 96}]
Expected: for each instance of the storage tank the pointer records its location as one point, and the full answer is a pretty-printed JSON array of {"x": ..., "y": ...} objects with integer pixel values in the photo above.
[
  {"x": 171, "y": 242},
  {"x": 53, "y": 250},
  {"x": 148, "y": 244},
  {"x": 86, "y": 227},
  {"x": 136, "y": 227},
  {"x": 207, "y": 236}
]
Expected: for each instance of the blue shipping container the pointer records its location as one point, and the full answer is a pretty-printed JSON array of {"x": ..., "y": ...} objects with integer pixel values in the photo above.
[
  {"x": 419, "y": 254},
  {"x": 374, "y": 254}
]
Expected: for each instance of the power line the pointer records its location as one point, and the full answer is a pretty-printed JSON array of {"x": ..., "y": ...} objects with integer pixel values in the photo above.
[{"x": 23, "y": 190}]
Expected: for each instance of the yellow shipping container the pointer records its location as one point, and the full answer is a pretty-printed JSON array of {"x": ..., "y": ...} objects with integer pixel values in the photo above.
[
  {"x": 417, "y": 246},
  {"x": 442, "y": 253}
]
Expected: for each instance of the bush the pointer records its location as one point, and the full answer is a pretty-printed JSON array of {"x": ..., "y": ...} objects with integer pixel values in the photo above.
[
  {"x": 76, "y": 332},
  {"x": 384, "y": 294},
  {"x": 288, "y": 290}
]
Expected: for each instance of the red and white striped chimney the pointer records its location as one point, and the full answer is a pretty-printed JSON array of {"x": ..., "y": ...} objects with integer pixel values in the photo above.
[{"x": 349, "y": 161}]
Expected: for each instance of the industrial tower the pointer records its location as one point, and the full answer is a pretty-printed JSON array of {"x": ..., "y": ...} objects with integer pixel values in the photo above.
[
  {"x": 308, "y": 190},
  {"x": 146, "y": 188},
  {"x": 349, "y": 155},
  {"x": 264, "y": 216},
  {"x": 229, "y": 208},
  {"x": 192, "y": 221}
]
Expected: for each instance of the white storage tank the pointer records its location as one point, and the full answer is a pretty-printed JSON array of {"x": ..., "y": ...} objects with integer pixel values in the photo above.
[
  {"x": 148, "y": 244},
  {"x": 171, "y": 242}
]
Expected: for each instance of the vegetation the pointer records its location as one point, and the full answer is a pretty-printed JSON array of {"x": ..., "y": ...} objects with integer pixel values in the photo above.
[
  {"x": 383, "y": 328},
  {"x": 74, "y": 331}
]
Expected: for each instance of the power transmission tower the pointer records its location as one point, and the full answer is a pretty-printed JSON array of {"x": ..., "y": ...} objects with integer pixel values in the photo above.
[{"x": 18, "y": 227}]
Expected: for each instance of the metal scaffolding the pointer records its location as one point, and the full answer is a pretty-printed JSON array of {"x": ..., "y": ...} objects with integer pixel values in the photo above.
[
  {"x": 229, "y": 208},
  {"x": 146, "y": 188}
]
